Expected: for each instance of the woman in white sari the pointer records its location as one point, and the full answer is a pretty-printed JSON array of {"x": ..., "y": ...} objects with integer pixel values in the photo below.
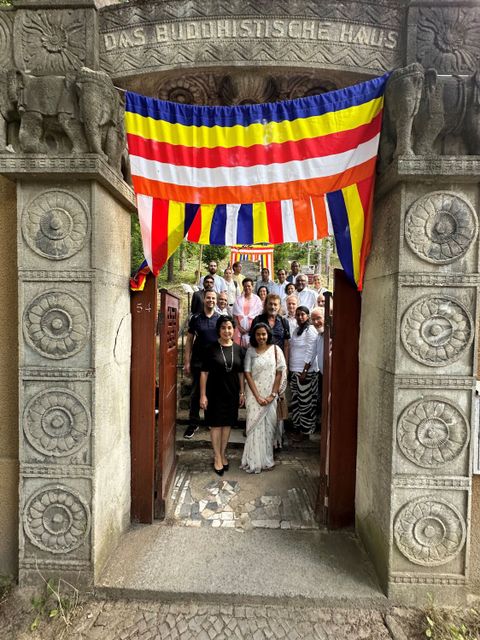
[
  {"x": 245, "y": 309},
  {"x": 265, "y": 371}
]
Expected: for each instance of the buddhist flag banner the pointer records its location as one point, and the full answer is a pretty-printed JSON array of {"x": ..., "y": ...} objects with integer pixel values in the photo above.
[
  {"x": 289, "y": 171},
  {"x": 262, "y": 254}
]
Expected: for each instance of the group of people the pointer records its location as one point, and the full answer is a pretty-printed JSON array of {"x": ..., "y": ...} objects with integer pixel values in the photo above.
[{"x": 255, "y": 344}]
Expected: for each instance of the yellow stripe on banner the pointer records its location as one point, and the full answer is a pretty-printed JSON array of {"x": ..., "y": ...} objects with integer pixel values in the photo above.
[
  {"x": 257, "y": 133},
  {"x": 176, "y": 225},
  {"x": 260, "y": 223},
  {"x": 207, "y": 211},
  {"x": 356, "y": 222}
]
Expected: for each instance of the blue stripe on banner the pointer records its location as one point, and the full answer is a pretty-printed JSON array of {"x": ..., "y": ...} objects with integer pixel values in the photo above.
[
  {"x": 190, "y": 213},
  {"x": 219, "y": 224},
  {"x": 341, "y": 230},
  {"x": 195, "y": 115},
  {"x": 245, "y": 224}
]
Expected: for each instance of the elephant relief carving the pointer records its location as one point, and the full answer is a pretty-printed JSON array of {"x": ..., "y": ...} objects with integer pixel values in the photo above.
[
  {"x": 430, "y": 115},
  {"x": 78, "y": 113}
]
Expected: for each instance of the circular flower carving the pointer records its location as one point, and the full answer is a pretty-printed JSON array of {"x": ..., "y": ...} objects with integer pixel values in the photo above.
[
  {"x": 55, "y": 224},
  {"x": 448, "y": 38},
  {"x": 440, "y": 227},
  {"x": 429, "y": 532},
  {"x": 56, "y": 324},
  {"x": 436, "y": 330},
  {"x": 51, "y": 41},
  {"x": 57, "y": 519},
  {"x": 56, "y": 422},
  {"x": 432, "y": 432}
]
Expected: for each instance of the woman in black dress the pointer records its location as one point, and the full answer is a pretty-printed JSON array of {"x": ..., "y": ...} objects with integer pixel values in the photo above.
[{"x": 222, "y": 389}]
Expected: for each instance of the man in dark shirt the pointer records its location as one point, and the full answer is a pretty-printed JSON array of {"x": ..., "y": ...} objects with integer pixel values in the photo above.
[
  {"x": 201, "y": 334},
  {"x": 198, "y": 296},
  {"x": 295, "y": 270},
  {"x": 279, "y": 326}
]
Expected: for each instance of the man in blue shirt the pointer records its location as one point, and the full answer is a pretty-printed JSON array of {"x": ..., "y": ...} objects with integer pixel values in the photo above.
[{"x": 201, "y": 334}]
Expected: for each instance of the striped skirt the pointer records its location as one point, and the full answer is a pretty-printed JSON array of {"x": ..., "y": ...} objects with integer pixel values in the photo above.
[{"x": 304, "y": 402}]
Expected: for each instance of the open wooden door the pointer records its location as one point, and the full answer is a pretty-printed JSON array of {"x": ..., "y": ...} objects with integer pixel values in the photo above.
[
  {"x": 338, "y": 447},
  {"x": 165, "y": 451},
  {"x": 143, "y": 305}
]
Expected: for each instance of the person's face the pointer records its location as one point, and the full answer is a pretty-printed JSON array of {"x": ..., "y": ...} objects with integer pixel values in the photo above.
[
  {"x": 291, "y": 307},
  {"x": 316, "y": 282},
  {"x": 295, "y": 268},
  {"x": 281, "y": 275},
  {"x": 290, "y": 289},
  {"x": 261, "y": 335},
  {"x": 273, "y": 307},
  {"x": 262, "y": 294},
  {"x": 226, "y": 331},
  {"x": 301, "y": 283},
  {"x": 222, "y": 301},
  {"x": 321, "y": 300},
  {"x": 247, "y": 288},
  {"x": 237, "y": 269},
  {"x": 265, "y": 275},
  {"x": 228, "y": 274},
  {"x": 212, "y": 267},
  {"x": 301, "y": 316},
  {"x": 208, "y": 284},
  {"x": 318, "y": 321},
  {"x": 210, "y": 300}
]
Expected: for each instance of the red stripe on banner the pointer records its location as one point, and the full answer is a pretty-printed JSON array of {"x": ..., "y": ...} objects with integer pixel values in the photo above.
[
  {"x": 302, "y": 211},
  {"x": 159, "y": 234},
  {"x": 320, "y": 213},
  {"x": 276, "y": 152},
  {"x": 274, "y": 218},
  {"x": 257, "y": 193},
  {"x": 365, "y": 191},
  {"x": 195, "y": 230}
]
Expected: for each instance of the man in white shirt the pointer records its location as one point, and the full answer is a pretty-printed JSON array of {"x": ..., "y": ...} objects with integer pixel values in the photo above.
[
  {"x": 306, "y": 297},
  {"x": 279, "y": 287},
  {"x": 233, "y": 289},
  {"x": 219, "y": 285},
  {"x": 264, "y": 281}
]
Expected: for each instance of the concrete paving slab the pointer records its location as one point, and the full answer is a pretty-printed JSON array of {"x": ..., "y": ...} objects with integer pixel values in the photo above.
[{"x": 171, "y": 563}]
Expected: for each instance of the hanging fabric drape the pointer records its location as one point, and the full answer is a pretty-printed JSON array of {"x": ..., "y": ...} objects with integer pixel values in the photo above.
[
  {"x": 261, "y": 254},
  {"x": 289, "y": 171}
]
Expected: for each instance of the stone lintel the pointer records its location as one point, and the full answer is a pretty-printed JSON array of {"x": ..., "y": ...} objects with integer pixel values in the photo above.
[
  {"x": 437, "y": 169},
  {"x": 85, "y": 167}
]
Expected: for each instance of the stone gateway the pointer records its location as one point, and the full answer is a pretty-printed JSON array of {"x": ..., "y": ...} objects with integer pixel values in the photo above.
[{"x": 65, "y": 228}]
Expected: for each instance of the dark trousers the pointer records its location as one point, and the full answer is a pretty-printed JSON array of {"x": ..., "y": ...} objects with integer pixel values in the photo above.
[{"x": 194, "y": 415}]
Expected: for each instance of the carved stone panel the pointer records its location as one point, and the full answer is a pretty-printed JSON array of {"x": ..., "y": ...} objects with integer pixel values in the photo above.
[
  {"x": 55, "y": 224},
  {"x": 429, "y": 531},
  {"x": 436, "y": 330},
  {"x": 6, "y": 40},
  {"x": 440, "y": 227},
  {"x": 432, "y": 432},
  {"x": 56, "y": 324},
  {"x": 56, "y": 519}
]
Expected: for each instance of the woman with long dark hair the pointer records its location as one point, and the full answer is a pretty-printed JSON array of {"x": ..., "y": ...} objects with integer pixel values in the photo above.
[
  {"x": 265, "y": 372},
  {"x": 303, "y": 381},
  {"x": 222, "y": 390}
]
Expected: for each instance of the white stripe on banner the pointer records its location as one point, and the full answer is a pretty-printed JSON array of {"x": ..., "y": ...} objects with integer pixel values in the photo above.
[
  {"x": 329, "y": 217},
  {"x": 145, "y": 206},
  {"x": 259, "y": 174},
  {"x": 288, "y": 222},
  {"x": 231, "y": 227}
]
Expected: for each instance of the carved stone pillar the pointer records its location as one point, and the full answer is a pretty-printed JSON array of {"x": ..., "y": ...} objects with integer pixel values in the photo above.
[
  {"x": 74, "y": 362},
  {"x": 417, "y": 378}
]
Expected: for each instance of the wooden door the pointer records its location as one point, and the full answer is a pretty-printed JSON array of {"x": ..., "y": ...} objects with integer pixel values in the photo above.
[
  {"x": 165, "y": 455},
  {"x": 143, "y": 305},
  {"x": 336, "y": 503}
]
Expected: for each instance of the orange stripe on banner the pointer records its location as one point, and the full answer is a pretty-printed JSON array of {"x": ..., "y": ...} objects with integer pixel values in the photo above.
[
  {"x": 258, "y": 193},
  {"x": 303, "y": 219},
  {"x": 320, "y": 213}
]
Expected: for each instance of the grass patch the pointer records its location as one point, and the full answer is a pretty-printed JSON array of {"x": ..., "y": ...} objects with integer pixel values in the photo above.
[
  {"x": 58, "y": 600},
  {"x": 452, "y": 624},
  {"x": 6, "y": 586}
]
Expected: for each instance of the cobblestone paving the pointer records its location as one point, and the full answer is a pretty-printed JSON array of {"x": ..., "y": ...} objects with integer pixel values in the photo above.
[
  {"x": 245, "y": 502},
  {"x": 152, "y": 621}
]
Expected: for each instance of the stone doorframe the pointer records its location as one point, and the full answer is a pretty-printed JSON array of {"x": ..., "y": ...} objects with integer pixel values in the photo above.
[{"x": 417, "y": 376}]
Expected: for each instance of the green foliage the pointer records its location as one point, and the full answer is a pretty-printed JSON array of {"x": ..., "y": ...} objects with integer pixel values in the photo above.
[
  {"x": 136, "y": 244},
  {"x": 58, "y": 600},
  {"x": 214, "y": 252},
  {"x": 451, "y": 624}
]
